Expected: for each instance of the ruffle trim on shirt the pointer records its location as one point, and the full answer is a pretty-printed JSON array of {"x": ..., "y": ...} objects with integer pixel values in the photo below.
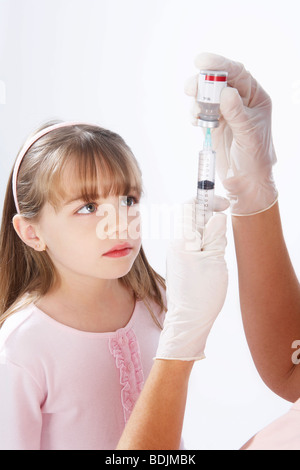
[{"x": 125, "y": 349}]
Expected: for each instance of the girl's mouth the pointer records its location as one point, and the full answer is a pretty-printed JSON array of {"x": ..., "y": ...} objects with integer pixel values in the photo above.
[{"x": 119, "y": 251}]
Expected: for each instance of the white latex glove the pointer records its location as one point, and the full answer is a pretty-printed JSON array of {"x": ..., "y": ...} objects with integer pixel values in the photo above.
[
  {"x": 196, "y": 282},
  {"x": 243, "y": 141}
]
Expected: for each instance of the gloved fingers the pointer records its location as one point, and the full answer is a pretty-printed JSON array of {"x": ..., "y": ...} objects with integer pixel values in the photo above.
[
  {"x": 233, "y": 110},
  {"x": 238, "y": 77},
  {"x": 251, "y": 93},
  {"x": 195, "y": 111},
  {"x": 186, "y": 235},
  {"x": 191, "y": 86},
  {"x": 214, "y": 237},
  {"x": 250, "y": 127},
  {"x": 223, "y": 139},
  {"x": 220, "y": 203},
  {"x": 242, "y": 80}
]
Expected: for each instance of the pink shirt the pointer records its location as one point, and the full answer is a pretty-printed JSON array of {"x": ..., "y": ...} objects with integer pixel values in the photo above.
[
  {"x": 282, "y": 434},
  {"x": 65, "y": 389}
]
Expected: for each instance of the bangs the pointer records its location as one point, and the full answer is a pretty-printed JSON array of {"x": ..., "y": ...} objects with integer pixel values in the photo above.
[{"x": 90, "y": 174}]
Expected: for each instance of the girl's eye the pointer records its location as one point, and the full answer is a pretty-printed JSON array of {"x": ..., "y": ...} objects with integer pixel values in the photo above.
[
  {"x": 88, "y": 209},
  {"x": 128, "y": 201}
]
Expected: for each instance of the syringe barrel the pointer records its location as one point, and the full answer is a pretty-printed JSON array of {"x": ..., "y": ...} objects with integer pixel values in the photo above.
[{"x": 206, "y": 186}]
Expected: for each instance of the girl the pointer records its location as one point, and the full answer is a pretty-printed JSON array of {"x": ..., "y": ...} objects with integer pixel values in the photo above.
[{"x": 80, "y": 313}]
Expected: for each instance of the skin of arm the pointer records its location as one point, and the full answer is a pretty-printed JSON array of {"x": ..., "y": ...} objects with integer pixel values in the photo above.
[
  {"x": 270, "y": 299},
  {"x": 157, "y": 419}
]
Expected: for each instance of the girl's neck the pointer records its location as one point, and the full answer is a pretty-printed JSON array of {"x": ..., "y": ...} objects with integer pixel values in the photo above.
[{"x": 89, "y": 306}]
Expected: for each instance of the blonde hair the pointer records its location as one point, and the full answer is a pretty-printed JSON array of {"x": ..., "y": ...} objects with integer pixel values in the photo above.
[{"x": 25, "y": 274}]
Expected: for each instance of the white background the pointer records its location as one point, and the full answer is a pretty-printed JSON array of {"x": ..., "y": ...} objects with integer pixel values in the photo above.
[{"x": 123, "y": 64}]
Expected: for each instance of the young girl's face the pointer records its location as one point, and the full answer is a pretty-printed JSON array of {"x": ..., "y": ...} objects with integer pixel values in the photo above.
[{"x": 79, "y": 235}]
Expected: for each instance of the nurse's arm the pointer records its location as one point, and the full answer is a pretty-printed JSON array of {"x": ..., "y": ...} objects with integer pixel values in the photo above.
[
  {"x": 270, "y": 299},
  {"x": 157, "y": 418}
]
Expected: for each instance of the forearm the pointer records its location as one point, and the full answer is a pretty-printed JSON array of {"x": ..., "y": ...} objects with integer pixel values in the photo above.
[
  {"x": 270, "y": 299},
  {"x": 157, "y": 419}
]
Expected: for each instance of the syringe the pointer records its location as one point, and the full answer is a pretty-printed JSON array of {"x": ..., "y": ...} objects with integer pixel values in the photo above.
[
  {"x": 210, "y": 85},
  {"x": 206, "y": 182}
]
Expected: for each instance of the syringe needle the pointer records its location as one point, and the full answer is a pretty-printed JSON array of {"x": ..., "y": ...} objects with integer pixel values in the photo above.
[{"x": 207, "y": 142}]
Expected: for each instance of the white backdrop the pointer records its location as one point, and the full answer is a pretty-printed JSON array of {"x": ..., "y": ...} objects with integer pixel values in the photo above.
[{"x": 123, "y": 64}]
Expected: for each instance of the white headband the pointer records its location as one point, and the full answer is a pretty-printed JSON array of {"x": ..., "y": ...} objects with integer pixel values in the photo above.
[{"x": 27, "y": 146}]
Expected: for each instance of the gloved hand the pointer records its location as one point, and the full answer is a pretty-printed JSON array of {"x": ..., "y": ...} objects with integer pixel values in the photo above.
[
  {"x": 243, "y": 141},
  {"x": 196, "y": 282}
]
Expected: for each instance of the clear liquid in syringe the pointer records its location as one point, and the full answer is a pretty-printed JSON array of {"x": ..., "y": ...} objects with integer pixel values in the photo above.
[{"x": 206, "y": 182}]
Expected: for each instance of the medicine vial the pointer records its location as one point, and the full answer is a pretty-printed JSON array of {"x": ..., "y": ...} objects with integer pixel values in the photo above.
[{"x": 210, "y": 85}]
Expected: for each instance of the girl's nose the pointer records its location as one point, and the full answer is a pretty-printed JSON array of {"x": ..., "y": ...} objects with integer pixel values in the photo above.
[{"x": 113, "y": 222}]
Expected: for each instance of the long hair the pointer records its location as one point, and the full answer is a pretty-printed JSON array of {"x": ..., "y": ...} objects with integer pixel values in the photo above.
[{"x": 25, "y": 274}]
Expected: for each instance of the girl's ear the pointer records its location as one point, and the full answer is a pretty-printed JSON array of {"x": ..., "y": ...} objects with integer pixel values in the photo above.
[{"x": 28, "y": 233}]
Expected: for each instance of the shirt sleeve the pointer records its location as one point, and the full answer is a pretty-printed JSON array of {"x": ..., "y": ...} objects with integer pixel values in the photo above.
[{"x": 20, "y": 408}]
